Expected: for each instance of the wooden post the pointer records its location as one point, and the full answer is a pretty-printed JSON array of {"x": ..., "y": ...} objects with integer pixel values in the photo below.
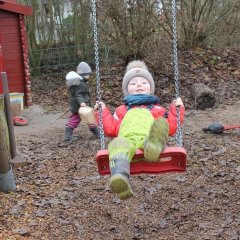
[
  {"x": 9, "y": 115},
  {"x": 7, "y": 183},
  {"x": 16, "y": 159},
  {"x": 5, "y": 155}
]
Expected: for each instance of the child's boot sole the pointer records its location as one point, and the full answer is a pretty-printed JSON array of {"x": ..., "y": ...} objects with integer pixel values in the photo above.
[
  {"x": 156, "y": 140},
  {"x": 121, "y": 186}
]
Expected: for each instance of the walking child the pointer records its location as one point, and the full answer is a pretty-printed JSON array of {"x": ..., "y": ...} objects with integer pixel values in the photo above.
[
  {"x": 140, "y": 123},
  {"x": 77, "y": 83}
]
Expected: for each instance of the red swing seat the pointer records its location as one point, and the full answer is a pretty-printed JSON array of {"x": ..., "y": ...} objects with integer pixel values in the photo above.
[{"x": 172, "y": 159}]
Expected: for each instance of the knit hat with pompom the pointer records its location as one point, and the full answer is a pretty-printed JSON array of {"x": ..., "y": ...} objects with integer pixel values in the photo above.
[{"x": 134, "y": 69}]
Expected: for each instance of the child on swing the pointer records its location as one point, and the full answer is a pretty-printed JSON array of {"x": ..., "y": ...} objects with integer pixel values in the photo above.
[
  {"x": 140, "y": 123},
  {"x": 77, "y": 83}
]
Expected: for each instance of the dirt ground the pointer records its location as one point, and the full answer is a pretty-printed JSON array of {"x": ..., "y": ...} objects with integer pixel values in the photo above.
[
  {"x": 39, "y": 121},
  {"x": 61, "y": 196}
]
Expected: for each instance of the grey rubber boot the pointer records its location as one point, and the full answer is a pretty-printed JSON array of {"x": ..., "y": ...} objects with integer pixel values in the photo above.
[
  {"x": 95, "y": 131},
  {"x": 157, "y": 139},
  {"x": 120, "y": 172},
  {"x": 69, "y": 135}
]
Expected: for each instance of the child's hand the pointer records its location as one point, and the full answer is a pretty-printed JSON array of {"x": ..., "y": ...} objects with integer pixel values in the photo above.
[
  {"x": 99, "y": 104},
  {"x": 178, "y": 102},
  {"x": 83, "y": 104}
]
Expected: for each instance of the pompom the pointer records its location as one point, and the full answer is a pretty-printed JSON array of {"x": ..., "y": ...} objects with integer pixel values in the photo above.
[{"x": 136, "y": 64}]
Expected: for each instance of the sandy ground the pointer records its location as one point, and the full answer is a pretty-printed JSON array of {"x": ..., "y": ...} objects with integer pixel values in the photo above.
[
  {"x": 40, "y": 120},
  {"x": 226, "y": 115}
]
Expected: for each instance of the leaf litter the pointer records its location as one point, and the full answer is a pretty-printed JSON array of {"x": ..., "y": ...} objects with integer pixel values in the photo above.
[{"x": 61, "y": 196}]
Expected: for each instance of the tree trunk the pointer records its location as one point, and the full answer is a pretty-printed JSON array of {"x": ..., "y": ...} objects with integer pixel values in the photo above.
[
  {"x": 203, "y": 96},
  {"x": 4, "y": 140}
]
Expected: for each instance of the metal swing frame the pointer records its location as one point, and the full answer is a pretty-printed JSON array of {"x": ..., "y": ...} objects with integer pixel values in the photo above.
[{"x": 172, "y": 159}]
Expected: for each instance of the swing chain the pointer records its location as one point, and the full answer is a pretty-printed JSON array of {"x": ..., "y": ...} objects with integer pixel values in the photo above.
[
  {"x": 95, "y": 30},
  {"x": 176, "y": 72},
  {"x": 175, "y": 65}
]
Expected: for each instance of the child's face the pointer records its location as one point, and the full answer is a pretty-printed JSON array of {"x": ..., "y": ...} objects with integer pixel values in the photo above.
[{"x": 139, "y": 85}]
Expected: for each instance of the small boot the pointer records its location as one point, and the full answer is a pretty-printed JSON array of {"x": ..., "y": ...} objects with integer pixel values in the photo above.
[
  {"x": 95, "y": 131},
  {"x": 69, "y": 135},
  {"x": 157, "y": 139},
  {"x": 120, "y": 172}
]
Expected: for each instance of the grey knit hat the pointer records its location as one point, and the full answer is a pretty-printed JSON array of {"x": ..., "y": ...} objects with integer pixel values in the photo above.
[
  {"x": 134, "y": 69},
  {"x": 84, "y": 69}
]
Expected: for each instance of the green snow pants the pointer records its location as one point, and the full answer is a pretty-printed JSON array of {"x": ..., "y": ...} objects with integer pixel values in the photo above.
[{"x": 134, "y": 129}]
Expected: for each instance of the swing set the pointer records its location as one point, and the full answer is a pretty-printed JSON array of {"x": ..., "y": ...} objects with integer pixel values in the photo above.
[{"x": 172, "y": 159}]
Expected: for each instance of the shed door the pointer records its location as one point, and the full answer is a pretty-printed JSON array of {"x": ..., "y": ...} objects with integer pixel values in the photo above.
[{"x": 12, "y": 51}]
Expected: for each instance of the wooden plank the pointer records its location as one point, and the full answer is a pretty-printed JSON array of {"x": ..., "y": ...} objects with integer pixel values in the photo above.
[
  {"x": 17, "y": 8},
  {"x": 8, "y": 20},
  {"x": 11, "y": 46},
  {"x": 4, "y": 140},
  {"x": 10, "y": 29},
  {"x": 12, "y": 54},
  {"x": 12, "y": 68},
  {"x": 8, "y": 37}
]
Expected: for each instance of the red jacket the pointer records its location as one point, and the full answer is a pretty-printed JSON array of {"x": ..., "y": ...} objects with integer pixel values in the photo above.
[{"x": 111, "y": 124}]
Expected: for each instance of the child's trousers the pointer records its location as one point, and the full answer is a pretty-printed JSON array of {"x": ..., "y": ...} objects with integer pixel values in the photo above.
[
  {"x": 133, "y": 131},
  {"x": 138, "y": 130},
  {"x": 74, "y": 120}
]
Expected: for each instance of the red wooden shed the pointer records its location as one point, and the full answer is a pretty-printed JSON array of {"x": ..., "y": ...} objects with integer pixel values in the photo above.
[{"x": 14, "y": 48}]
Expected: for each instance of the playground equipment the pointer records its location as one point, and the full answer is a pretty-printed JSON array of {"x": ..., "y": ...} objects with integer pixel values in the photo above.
[
  {"x": 7, "y": 183},
  {"x": 172, "y": 159},
  {"x": 217, "y": 128}
]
